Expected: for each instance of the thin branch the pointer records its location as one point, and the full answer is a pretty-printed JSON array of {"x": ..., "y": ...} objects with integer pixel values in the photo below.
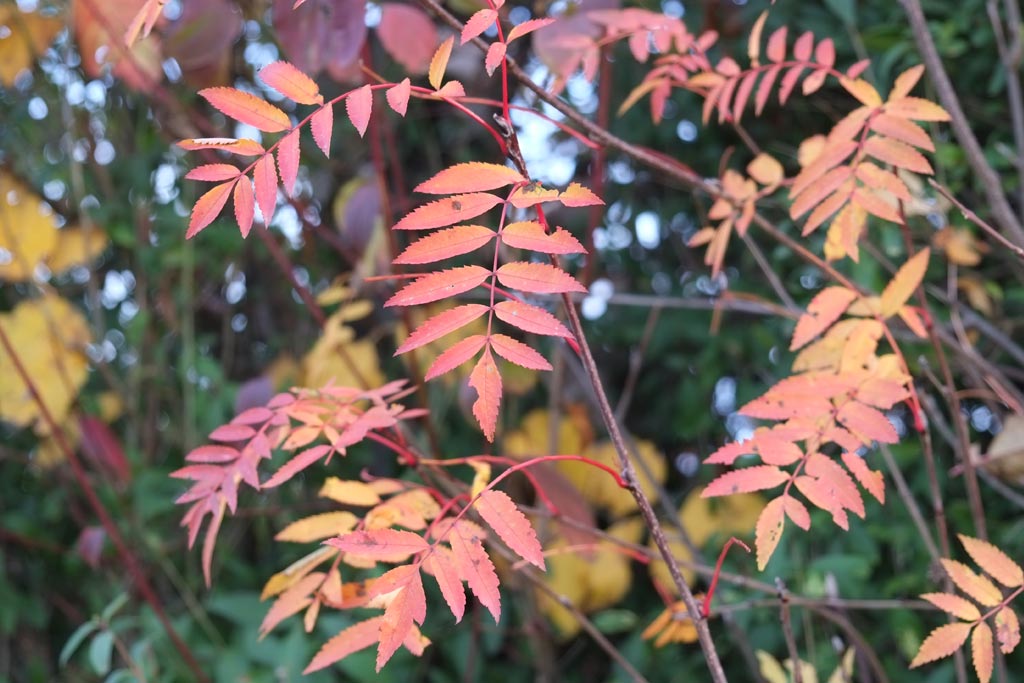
[
  {"x": 973, "y": 217},
  {"x": 787, "y": 630}
]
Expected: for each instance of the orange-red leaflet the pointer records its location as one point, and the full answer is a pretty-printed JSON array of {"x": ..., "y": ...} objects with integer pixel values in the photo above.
[
  {"x": 448, "y": 211},
  {"x": 213, "y": 172},
  {"x": 960, "y": 608},
  {"x": 458, "y": 354},
  {"x": 441, "y": 324},
  {"x": 322, "y": 126},
  {"x": 971, "y": 583},
  {"x": 486, "y": 380},
  {"x": 291, "y": 82},
  {"x": 477, "y": 24},
  {"x": 445, "y": 244},
  {"x": 398, "y": 96},
  {"x": 405, "y": 608},
  {"x": 208, "y": 207},
  {"x": 247, "y": 108},
  {"x": 994, "y": 561},
  {"x": 440, "y": 285},
  {"x": 475, "y": 568},
  {"x": 265, "y": 177},
  {"x": 474, "y": 176},
  {"x": 243, "y": 146},
  {"x": 746, "y": 480},
  {"x": 358, "y": 106},
  {"x": 530, "y": 318},
  {"x": 538, "y": 278},
  {"x": 385, "y": 545},
  {"x": 982, "y": 652},
  {"x": 441, "y": 564},
  {"x": 942, "y": 642},
  {"x": 288, "y": 160},
  {"x": 511, "y": 525},
  {"x": 531, "y": 235},
  {"x": 517, "y": 352},
  {"x": 353, "y": 639}
]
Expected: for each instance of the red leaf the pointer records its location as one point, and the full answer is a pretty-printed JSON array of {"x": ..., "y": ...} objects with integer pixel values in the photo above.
[
  {"x": 511, "y": 525},
  {"x": 265, "y": 176},
  {"x": 247, "y": 108},
  {"x": 456, "y": 356},
  {"x": 748, "y": 479},
  {"x": 446, "y": 244},
  {"x": 867, "y": 423},
  {"x": 245, "y": 205},
  {"x": 768, "y": 531},
  {"x": 441, "y": 324},
  {"x": 208, "y": 207},
  {"x": 358, "y": 106},
  {"x": 352, "y": 639},
  {"x": 398, "y": 96},
  {"x": 448, "y": 211},
  {"x": 291, "y": 82},
  {"x": 322, "y": 126},
  {"x": 440, "y": 285},
  {"x": 288, "y": 160},
  {"x": 531, "y": 318},
  {"x": 824, "y": 309},
  {"x": 477, "y": 24},
  {"x": 539, "y": 278},
  {"x": 385, "y": 545},
  {"x": 408, "y": 35},
  {"x": 486, "y": 380},
  {"x": 942, "y": 642},
  {"x": 214, "y": 172},
  {"x": 474, "y": 176},
  {"x": 441, "y": 564},
  {"x": 244, "y": 146},
  {"x": 517, "y": 352},
  {"x": 531, "y": 235},
  {"x": 476, "y": 569}
]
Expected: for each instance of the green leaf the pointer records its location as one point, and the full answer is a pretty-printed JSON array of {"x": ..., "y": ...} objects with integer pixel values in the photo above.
[
  {"x": 111, "y": 609},
  {"x": 101, "y": 649},
  {"x": 121, "y": 676},
  {"x": 76, "y": 640}
]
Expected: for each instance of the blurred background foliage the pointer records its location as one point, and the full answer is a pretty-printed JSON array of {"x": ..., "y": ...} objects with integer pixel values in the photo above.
[{"x": 140, "y": 343}]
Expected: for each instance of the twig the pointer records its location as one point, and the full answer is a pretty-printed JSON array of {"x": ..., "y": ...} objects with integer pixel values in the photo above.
[
  {"x": 974, "y": 218},
  {"x": 787, "y": 630}
]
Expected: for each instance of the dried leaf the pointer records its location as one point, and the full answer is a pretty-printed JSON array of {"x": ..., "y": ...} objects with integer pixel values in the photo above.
[{"x": 1007, "y": 629}]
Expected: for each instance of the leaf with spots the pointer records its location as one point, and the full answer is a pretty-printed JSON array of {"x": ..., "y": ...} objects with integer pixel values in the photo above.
[{"x": 768, "y": 531}]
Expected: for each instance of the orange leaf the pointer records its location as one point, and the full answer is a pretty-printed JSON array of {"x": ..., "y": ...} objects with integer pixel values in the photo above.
[
  {"x": 486, "y": 380},
  {"x": 291, "y": 82},
  {"x": 288, "y": 160},
  {"x": 385, "y": 545},
  {"x": 867, "y": 423},
  {"x": 440, "y": 285},
  {"x": 1007, "y": 629},
  {"x": 247, "y": 108},
  {"x": 530, "y": 318},
  {"x": 768, "y": 531},
  {"x": 982, "y": 652},
  {"x": 352, "y": 639},
  {"x": 358, "y": 106},
  {"x": 835, "y": 483},
  {"x": 398, "y": 96},
  {"x": 862, "y": 90},
  {"x": 441, "y": 564},
  {"x": 523, "y": 28},
  {"x": 904, "y": 283},
  {"x": 871, "y": 480},
  {"x": 511, "y": 525},
  {"x": 538, "y": 278},
  {"x": 994, "y": 561},
  {"x": 517, "y": 352},
  {"x": 746, "y": 480},
  {"x": 245, "y": 205},
  {"x": 975, "y": 585},
  {"x": 456, "y": 356},
  {"x": 960, "y": 608},
  {"x": 797, "y": 512},
  {"x": 448, "y": 211},
  {"x": 942, "y": 642},
  {"x": 208, "y": 207},
  {"x": 446, "y": 244},
  {"x": 214, "y": 172},
  {"x": 405, "y": 608},
  {"x": 820, "y": 494},
  {"x": 916, "y": 108},
  {"x": 441, "y": 324},
  {"x": 525, "y": 196},
  {"x": 474, "y": 176},
  {"x": 292, "y": 601},
  {"x": 439, "y": 62},
  {"x": 322, "y": 127},
  {"x": 476, "y": 568},
  {"x": 531, "y": 235},
  {"x": 265, "y": 177},
  {"x": 577, "y": 195},
  {"x": 244, "y": 146},
  {"x": 906, "y": 81},
  {"x": 824, "y": 309},
  {"x": 902, "y": 130},
  {"x": 897, "y": 153}
]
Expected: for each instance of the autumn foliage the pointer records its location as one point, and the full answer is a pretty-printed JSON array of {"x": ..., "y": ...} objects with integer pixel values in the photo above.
[{"x": 484, "y": 280}]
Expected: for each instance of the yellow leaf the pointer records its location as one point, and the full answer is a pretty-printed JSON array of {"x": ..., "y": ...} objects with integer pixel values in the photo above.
[
  {"x": 904, "y": 283},
  {"x": 76, "y": 247},
  {"x": 318, "y": 527},
  {"x": 862, "y": 90},
  {"x": 27, "y": 36},
  {"x": 28, "y": 231},
  {"x": 960, "y": 246},
  {"x": 439, "y": 63},
  {"x": 349, "y": 492},
  {"x": 293, "y": 573},
  {"x": 766, "y": 170},
  {"x": 574, "y": 433},
  {"x": 481, "y": 478},
  {"x": 601, "y": 490},
  {"x": 339, "y": 358},
  {"x": 810, "y": 149},
  {"x": 49, "y": 335}
]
